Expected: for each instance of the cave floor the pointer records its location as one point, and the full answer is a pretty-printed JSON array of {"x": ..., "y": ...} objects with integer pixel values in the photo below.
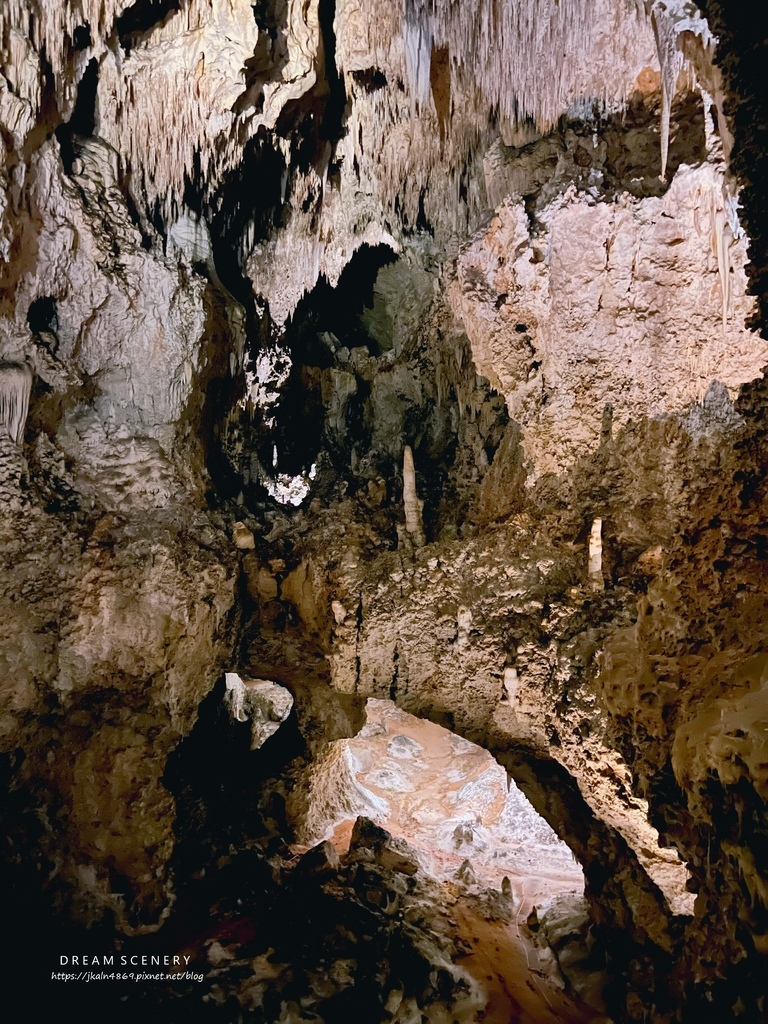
[{"x": 510, "y": 968}]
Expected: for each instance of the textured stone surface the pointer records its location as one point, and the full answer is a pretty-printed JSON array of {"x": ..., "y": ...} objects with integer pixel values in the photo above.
[
  {"x": 607, "y": 311},
  {"x": 265, "y": 704},
  {"x": 98, "y": 702},
  {"x": 251, "y": 256}
]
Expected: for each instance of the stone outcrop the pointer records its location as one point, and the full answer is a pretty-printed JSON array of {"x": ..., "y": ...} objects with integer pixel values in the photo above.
[
  {"x": 96, "y": 705},
  {"x": 264, "y": 703},
  {"x": 608, "y": 311}
]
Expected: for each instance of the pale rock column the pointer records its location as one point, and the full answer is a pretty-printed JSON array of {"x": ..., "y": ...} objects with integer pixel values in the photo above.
[
  {"x": 411, "y": 502},
  {"x": 15, "y": 389},
  {"x": 595, "y": 566}
]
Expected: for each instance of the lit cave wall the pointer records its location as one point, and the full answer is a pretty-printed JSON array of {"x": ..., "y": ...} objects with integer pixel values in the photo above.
[{"x": 383, "y": 510}]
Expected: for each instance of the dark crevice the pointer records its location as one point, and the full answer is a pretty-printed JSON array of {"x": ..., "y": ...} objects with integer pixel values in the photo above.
[
  {"x": 264, "y": 12},
  {"x": 370, "y": 79},
  {"x": 394, "y": 679},
  {"x": 331, "y": 127},
  {"x": 42, "y": 315},
  {"x": 215, "y": 392},
  {"x": 142, "y": 225},
  {"x": 81, "y": 37},
  {"x": 315, "y": 121},
  {"x": 82, "y": 123},
  {"x": 218, "y": 798},
  {"x": 422, "y": 221},
  {"x": 250, "y": 195},
  {"x": 49, "y": 116},
  {"x": 143, "y": 17}
]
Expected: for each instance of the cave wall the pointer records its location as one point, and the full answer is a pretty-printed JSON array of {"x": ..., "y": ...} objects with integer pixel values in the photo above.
[{"x": 246, "y": 245}]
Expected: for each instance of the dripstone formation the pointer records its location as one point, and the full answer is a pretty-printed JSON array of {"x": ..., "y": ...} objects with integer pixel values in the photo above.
[{"x": 404, "y": 352}]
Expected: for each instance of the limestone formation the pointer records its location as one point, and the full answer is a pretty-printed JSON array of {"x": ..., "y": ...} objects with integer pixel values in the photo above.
[
  {"x": 463, "y": 727},
  {"x": 15, "y": 388},
  {"x": 595, "y": 568},
  {"x": 630, "y": 308},
  {"x": 411, "y": 502},
  {"x": 264, "y": 703}
]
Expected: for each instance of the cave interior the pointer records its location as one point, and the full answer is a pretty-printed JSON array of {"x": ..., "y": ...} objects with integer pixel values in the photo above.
[{"x": 383, "y": 510}]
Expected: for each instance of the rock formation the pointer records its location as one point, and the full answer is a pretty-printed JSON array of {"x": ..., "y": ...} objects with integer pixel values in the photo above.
[
  {"x": 407, "y": 351},
  {"x": 412, "y": 504}
]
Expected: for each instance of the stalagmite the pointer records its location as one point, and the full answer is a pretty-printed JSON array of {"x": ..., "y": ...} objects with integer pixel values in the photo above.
[
  {"x": 595, "y": 568},
  {"x": 511, "y": 683},
  {"x": 466, "y": 873},
  {"x": 15, "y": 388},
  {"x": 463, "y": 626},
  {"x": 411, "y": 502},
  {"x": 243, "y": 537}
]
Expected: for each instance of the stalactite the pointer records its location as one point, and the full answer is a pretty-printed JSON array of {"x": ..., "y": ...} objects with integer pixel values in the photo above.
[
  {"x": 670, "y": 62},
  {"x": 417, "y": 39},
  {"x": 672, "y": 20},
  {"x": 715, "y": 217},
  {"x": 15, "y": 389}
]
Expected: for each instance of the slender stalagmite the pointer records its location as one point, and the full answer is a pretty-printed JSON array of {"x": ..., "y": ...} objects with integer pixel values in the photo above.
[
  {"x": 411, "y": 502},
  {"x": 595, "y": 568}
]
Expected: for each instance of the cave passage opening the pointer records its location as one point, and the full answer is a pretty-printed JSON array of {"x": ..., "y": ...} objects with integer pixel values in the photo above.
[
  {"x": 515, "y": 890},
  {"x": 448, "y": 798},
  {"x": 325, "y": 329}
]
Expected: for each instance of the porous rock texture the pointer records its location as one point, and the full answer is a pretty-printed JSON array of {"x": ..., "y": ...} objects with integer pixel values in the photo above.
[{"x": 378, "y": 351}]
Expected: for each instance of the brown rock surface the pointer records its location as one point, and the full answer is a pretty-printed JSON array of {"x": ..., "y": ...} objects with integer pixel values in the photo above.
[{"x": 380, "y": 352}]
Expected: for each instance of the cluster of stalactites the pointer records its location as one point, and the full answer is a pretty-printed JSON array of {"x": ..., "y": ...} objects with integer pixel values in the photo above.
[
  {"x": 530, "y": 59},
  {"x": 533, "y": 60},
  {"x": 181, "y": 79},
  {"x": 50, "y": 25},
  {"x": 37, "y": 36},
  {"x": 15, "y": 389}
]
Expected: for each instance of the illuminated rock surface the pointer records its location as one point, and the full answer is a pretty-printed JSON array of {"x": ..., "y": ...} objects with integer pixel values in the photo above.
[{"x": 406, "y": 356}]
